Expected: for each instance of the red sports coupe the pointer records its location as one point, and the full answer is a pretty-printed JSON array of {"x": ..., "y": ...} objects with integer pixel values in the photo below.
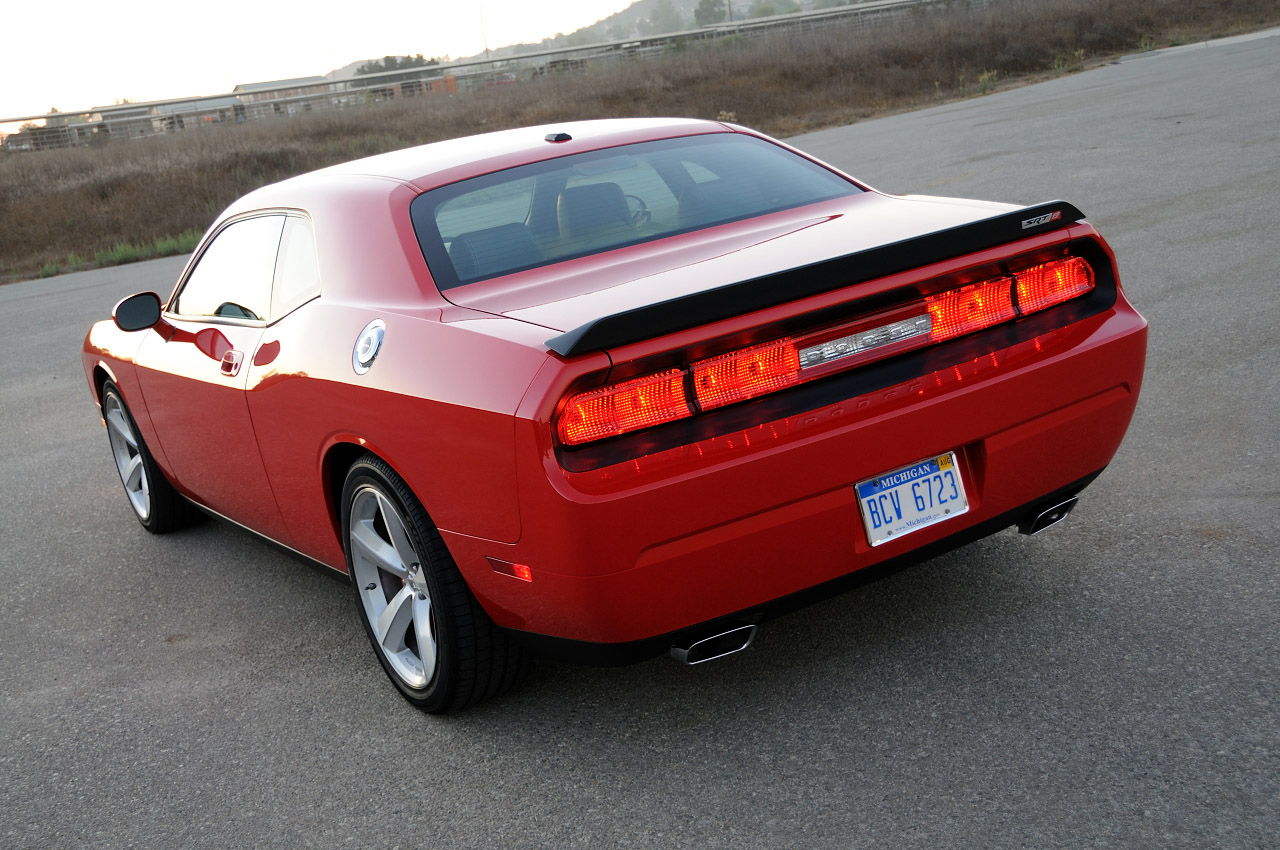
[{"x": 611, "y": 389}]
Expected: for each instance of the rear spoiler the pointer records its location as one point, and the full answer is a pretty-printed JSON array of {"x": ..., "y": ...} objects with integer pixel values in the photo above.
[{"x": 745, "y": 296}]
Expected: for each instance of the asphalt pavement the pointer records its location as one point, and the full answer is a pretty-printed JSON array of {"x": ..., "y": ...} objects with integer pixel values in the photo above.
[{"x": 1112, "y": 683}]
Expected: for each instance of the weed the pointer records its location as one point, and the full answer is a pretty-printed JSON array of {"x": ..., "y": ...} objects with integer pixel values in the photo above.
[
  {"x": 121, "y": 253},
  {"x": 987, "y": 81},
  {"x": 49, "y": 269},
  {"x": 1065, "y": 63},
  {"x": 164, "y": 246}
]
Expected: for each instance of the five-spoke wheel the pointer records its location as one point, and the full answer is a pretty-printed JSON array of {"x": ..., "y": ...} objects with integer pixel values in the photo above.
[
  {"x": 387, "y": 571},
  {"x": 126, "y": 448},
  {"x": 432, "y": 637},
  {"x": 157, "y": 505}
]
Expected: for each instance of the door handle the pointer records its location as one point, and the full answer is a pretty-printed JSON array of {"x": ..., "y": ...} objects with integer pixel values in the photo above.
[{"x": 231, "y": 363}]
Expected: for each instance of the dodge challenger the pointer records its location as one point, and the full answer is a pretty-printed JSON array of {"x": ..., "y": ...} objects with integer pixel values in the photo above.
[{"x": 607, "y": 390}]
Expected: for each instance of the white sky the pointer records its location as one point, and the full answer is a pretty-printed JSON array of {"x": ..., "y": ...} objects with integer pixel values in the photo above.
[{"x": 73, "y": 54}]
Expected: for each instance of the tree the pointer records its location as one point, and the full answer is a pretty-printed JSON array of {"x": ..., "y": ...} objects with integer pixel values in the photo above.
[
  {"x": 709, "y": 12},
  {"x": 666, "y": 17},
  {"x": 765, "y": 8},
  {"x": 396, "y": 63}
]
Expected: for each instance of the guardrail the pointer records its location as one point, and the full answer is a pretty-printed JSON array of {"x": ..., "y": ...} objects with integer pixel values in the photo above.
[{"x": 311, "y": 94}]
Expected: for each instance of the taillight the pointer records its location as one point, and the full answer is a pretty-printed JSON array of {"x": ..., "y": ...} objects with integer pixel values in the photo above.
[
  {"x": 1052, "y": 283},
  {"x": 761, "y": 369},
  {"x": 745, "y": 374},
  {"x": 969, "y": 308},
  {"x": 625, "y": 407}
]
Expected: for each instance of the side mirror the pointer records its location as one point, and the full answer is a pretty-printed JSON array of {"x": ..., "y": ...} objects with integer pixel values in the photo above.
[{"x": 137, "y": 312}]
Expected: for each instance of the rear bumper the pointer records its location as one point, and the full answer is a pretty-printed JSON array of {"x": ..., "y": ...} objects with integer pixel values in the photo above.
[
  {"x": 629, "y": 652},
  {"x": 745, "y": 524}
]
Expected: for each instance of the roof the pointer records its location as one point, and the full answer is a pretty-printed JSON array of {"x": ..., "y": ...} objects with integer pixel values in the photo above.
[
  {"x": 281, "y": 84},
  {"x": 440, "y": 163},
  {"x": 196, "y": 104},
  {"x": 434, "y": 164}
]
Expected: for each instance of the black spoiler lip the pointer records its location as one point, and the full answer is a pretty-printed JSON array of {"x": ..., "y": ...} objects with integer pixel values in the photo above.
[{"x": 700, "y": 308}]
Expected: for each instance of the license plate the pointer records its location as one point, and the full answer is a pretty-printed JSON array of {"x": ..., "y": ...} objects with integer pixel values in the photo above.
[{"x": 911, "y": 498}]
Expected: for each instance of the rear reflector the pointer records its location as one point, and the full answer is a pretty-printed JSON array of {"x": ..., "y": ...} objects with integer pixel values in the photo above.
[
  {"x": 771, "y": 366},
  {"x": 507, "y": 568}
]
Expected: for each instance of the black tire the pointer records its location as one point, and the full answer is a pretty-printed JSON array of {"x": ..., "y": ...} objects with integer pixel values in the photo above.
[
  {"x": 157, "y": 505},
  {"x": 431, "y": 636}
]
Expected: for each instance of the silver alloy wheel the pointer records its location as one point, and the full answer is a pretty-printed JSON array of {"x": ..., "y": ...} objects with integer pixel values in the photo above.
[
  {"x": 392, "y": 584},
  {"x": 127, "y": 451}
]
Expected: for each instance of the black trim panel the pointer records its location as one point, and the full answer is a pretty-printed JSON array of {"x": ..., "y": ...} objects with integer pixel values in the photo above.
[
  {"x": 746, "y": 296},
  {"x": 619, "y": 654}
]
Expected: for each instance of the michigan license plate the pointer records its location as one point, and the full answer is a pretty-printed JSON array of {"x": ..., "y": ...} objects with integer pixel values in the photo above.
[{"x": 911, "y": 498}]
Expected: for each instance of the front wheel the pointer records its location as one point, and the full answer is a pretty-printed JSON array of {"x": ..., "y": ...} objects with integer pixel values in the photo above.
[
  {"x": 433, "y": 639},
  {"x": 157, "y": 505}
]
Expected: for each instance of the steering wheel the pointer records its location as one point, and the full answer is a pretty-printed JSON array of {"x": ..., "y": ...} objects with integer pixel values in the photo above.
[
  {"x": 232, "y": 310},
  {"x": 639, "y": 210}
]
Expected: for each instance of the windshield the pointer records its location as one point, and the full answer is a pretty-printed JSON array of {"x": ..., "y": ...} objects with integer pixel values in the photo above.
[{"x": 542, "y": 213}]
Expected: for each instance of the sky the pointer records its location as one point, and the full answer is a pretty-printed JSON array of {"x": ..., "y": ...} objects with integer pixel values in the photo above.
[{"x": 72, "y": 54}]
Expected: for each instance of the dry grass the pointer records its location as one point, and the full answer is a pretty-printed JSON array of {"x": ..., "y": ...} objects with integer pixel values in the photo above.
[{"x": 58, "y": 206}]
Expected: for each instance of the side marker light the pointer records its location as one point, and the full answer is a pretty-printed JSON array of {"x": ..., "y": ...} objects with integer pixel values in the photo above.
[{"x": 506, "y": 568}]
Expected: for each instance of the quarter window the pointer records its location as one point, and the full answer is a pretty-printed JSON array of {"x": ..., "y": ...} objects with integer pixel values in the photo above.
[{"x": 297, "y": 268}]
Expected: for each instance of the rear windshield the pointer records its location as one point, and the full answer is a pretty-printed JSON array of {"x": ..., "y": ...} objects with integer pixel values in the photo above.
[{"x": 539, "y": 214}]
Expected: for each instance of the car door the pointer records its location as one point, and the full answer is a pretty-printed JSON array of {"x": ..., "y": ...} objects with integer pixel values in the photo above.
[{"x": 195, "y": 381}]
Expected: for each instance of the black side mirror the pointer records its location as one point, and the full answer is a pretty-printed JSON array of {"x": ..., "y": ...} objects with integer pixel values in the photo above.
[{"x": 137, "y": 312}]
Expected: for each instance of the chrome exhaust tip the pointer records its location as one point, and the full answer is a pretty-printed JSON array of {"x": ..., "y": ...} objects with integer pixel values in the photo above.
[
  {"x": 715, "y": 646},
  {"x": 1036, "y": 523}
]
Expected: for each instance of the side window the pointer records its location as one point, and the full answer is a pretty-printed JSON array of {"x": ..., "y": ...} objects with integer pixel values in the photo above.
[
  {"x": 297, "y": 268},
  {"x": 232, "y": 280}
]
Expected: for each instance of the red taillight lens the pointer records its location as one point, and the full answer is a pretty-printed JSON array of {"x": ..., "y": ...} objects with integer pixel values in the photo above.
[
  {"x": 745, "y": 374},
  {"x": 625, "y": 407},
  {"x": 771, "y": 366},
  {"x": 969, "y": 308},
  {"x": 1052, "y": 283}
]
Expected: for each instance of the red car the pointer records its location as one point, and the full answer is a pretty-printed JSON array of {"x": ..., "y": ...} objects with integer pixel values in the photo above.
[{"x": 611, "y": 389}]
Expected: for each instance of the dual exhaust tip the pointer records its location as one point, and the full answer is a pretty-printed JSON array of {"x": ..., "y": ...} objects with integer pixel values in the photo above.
[{"x": 738, "y": 638}]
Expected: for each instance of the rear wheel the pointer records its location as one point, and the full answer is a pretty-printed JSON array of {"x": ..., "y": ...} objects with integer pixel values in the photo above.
[
  {"x": 430, "y": 634},
  {"x": 157, "y": 505}
]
